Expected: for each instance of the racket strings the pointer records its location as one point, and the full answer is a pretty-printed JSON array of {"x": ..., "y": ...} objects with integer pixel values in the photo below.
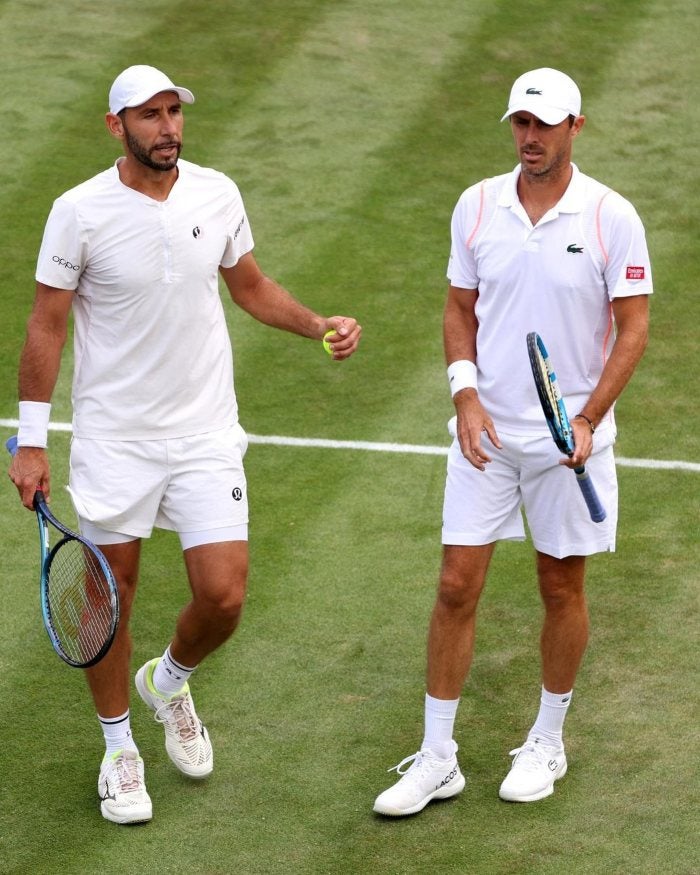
[
  {"x": 550, "y": 398},
  {"x": 79, "y": 601}
]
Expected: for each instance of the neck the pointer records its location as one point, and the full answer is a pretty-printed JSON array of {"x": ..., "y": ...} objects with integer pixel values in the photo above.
[
  {"x": 156, "y": 184},
  {"x": 538, "y": 194}
]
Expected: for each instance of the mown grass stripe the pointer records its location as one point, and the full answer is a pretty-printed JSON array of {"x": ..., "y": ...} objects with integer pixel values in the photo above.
[{"x": 388, "y": 447}]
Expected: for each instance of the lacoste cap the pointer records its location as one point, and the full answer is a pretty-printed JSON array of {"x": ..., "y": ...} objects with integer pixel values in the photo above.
[
  {"x": 547, "y": 94},
  {"x": 136, "y": 85}
]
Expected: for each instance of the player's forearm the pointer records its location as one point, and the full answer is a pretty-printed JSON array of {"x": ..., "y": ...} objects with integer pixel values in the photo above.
[
  {"x": 40, "y": 363},
  {"x": 624, "y": 358},
  {"x": 459, "y": 326},
  {"x": 275, "y": 306}
]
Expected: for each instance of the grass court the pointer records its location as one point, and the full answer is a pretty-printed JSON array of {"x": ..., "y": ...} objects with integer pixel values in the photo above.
[{"x": 352, "y": 127}]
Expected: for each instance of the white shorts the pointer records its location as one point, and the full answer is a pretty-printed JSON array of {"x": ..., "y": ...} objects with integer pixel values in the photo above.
[
  {"x": 481, "y": 507},
  {"x": 195, "y": 486}
]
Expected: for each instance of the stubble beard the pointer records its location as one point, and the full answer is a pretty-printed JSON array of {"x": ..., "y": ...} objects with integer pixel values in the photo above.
[
  {"x": 552, "y": 170},
  {"x": 145, "y": 156}
]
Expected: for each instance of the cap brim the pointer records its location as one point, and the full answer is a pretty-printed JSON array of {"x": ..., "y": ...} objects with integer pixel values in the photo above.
[
  {"x": 184, "y": 94},
  {"x": 550, "y": 115}
]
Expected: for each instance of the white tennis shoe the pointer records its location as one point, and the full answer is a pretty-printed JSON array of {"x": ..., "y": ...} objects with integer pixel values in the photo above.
[
  {"x": 186, "y": 738},
  {"x": 536, "y": 766},
  {"x": 428, "y": 777},
  {"x": 122, "y": 789}
]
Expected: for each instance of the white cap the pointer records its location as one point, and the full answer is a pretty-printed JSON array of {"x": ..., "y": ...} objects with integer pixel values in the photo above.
[
  {"x": 135, "y": 85},
  {"x": 547, "y": 94}
]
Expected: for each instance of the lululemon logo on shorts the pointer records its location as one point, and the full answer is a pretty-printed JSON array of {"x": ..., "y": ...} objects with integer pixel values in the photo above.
[
  {"x": 196, "y": 231},
  {"x": 237, "y": 494}
]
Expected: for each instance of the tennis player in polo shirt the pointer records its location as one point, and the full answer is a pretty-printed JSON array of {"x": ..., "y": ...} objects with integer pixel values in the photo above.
[
  {"x": 136, "y": 253},
  {"x": 544, "y": 249}
]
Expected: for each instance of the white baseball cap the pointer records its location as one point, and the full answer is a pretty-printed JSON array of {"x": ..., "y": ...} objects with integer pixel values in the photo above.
[
  {"x": 547, "y": 94},
  {"x": 135, "y": 85}
]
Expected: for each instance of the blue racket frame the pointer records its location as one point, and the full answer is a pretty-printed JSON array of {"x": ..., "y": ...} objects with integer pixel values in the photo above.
[
  {"x": 47, "y": 554},
  {"x": 557, "y": 419}
]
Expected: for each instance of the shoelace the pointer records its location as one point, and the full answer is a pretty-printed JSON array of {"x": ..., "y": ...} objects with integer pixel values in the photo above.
[
  {"x": 127, "y": 774},
  {"x": 178, "y": 714},
  {"x": 416, "y": 763},
  {"x": 532, "y": 756}
]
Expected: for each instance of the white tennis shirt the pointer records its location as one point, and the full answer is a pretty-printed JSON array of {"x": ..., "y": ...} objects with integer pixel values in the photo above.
[
  {"x": 556, "y": 278},
  {"x": 153, "y": 356}
]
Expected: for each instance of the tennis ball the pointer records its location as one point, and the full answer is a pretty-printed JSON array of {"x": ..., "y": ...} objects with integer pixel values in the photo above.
[{"x": 326, "y": 345}]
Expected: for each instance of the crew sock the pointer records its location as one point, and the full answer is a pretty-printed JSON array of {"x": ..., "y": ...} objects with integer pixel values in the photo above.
[
  {"x": 169, "y": 677},
  {"x": 117, "y": 733},
  {"x": 440, "y": 717},
  {"x": 549, "y": 725}
]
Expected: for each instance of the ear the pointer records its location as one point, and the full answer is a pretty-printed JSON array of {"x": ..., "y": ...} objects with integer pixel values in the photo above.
[
  {"x": 114, "y": 125},
  {"x": 579, "y": 122}
]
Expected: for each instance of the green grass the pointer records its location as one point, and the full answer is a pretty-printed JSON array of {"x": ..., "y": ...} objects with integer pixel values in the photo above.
[{"x": 351, "y": 128}]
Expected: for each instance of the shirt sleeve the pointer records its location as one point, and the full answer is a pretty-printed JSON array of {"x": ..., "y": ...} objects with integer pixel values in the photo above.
[
  {"x": 239, "y": 238},
  {"x": 63, "y": 253},
  {"x": 628, "y": 268},
  {"x": 461, "y": 270}
]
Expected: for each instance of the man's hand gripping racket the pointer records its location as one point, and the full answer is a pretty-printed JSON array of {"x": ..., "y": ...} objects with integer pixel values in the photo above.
[
  {"x": 79, "y": 599},
  {"x": 557, "y": 418}
]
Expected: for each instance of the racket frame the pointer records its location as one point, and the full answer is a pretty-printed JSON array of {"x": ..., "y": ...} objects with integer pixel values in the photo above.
[
  {"x": 47, "y": 553},
  {"x": 44, "y": 518},
  {"x": 557, "y": 419}
]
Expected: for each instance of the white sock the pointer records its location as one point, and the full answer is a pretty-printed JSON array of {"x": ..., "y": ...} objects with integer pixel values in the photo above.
[
  {"x": 117, "y": 733},
  {"x": 169, "y": 677},
  {"x": 549, "y": 725},
  {"x": 439, "y": 726}
]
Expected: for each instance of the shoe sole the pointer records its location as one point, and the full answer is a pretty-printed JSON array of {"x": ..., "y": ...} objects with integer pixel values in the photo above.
[
  {"x": 533, "y": 797},
  {"x": 144, "y": 693},
  {"x": 143, "y": 816},
  {"x": 441, "y": 793}
]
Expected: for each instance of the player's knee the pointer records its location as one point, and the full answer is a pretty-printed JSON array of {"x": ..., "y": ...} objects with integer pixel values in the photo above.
[
  {"x": 562, "y": 597},
  {"x": 224, "y": 605},
  {"x": 457, "y": 593}
]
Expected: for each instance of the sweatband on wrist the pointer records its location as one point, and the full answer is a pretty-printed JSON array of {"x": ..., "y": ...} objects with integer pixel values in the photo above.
[
  {"x": 33, "y": 424},
  {"x": 461, "y": 375}
]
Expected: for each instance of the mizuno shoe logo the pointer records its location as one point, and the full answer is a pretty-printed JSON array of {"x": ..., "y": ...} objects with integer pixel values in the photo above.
[
  {"x": 533, "y": 91},
  {"x": 572, "y": 247}
]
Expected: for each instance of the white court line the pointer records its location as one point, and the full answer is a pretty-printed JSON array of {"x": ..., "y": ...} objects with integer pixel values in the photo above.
[{"x": 378, "y": 447}]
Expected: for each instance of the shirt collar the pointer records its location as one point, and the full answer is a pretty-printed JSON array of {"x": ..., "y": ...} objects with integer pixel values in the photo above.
[{"x": 572, "y": 201}]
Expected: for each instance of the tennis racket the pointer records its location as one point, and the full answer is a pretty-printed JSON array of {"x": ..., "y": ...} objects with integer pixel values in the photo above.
[
  {"x": 79, "y": 600},
  {"x": 558, "y": 420}
]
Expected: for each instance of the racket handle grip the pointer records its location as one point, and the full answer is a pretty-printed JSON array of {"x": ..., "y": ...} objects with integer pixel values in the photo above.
[
  {"x": 11, "y": 445},
  {"x": 595, "y": 508}
]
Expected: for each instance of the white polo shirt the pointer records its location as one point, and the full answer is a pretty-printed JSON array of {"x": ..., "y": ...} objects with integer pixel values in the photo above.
[
  {"x": 152, "y": 351},
  {"x": 556, "y": 278}
]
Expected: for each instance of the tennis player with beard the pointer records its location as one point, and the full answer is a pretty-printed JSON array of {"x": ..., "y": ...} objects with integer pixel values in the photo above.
[{"x": 135, "y": 253}]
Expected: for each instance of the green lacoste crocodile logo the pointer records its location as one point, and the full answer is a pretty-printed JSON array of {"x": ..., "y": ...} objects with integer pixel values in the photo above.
[
  {"x": 572, "y": 247},
  {"x": 533, "y": 91}
]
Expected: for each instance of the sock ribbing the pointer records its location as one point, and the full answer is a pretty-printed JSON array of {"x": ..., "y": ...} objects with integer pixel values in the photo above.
[{"x": 440, "y": 717}]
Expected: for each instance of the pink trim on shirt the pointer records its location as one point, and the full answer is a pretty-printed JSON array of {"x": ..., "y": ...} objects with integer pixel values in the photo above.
[{"x": 598, "y": 231}]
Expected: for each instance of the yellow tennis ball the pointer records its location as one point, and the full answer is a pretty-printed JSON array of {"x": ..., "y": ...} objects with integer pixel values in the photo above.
[{"x": 327, "y": 345}]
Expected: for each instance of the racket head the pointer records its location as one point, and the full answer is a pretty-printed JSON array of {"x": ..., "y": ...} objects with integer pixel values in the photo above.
[
  {"x": 548, "y": 392},
  {"x": 79, "y": 599},
  {"x": 79, "y": 602}
]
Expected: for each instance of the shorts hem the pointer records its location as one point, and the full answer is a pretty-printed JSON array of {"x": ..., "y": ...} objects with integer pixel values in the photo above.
[
  {"x": 464, "y": 539},
  {"x": 587, "y": 549}
]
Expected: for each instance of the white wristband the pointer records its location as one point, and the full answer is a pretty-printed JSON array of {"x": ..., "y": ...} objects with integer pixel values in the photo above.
[
  {"x": 461, "y": 375},
  {"x": 33, "y": 424}
]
